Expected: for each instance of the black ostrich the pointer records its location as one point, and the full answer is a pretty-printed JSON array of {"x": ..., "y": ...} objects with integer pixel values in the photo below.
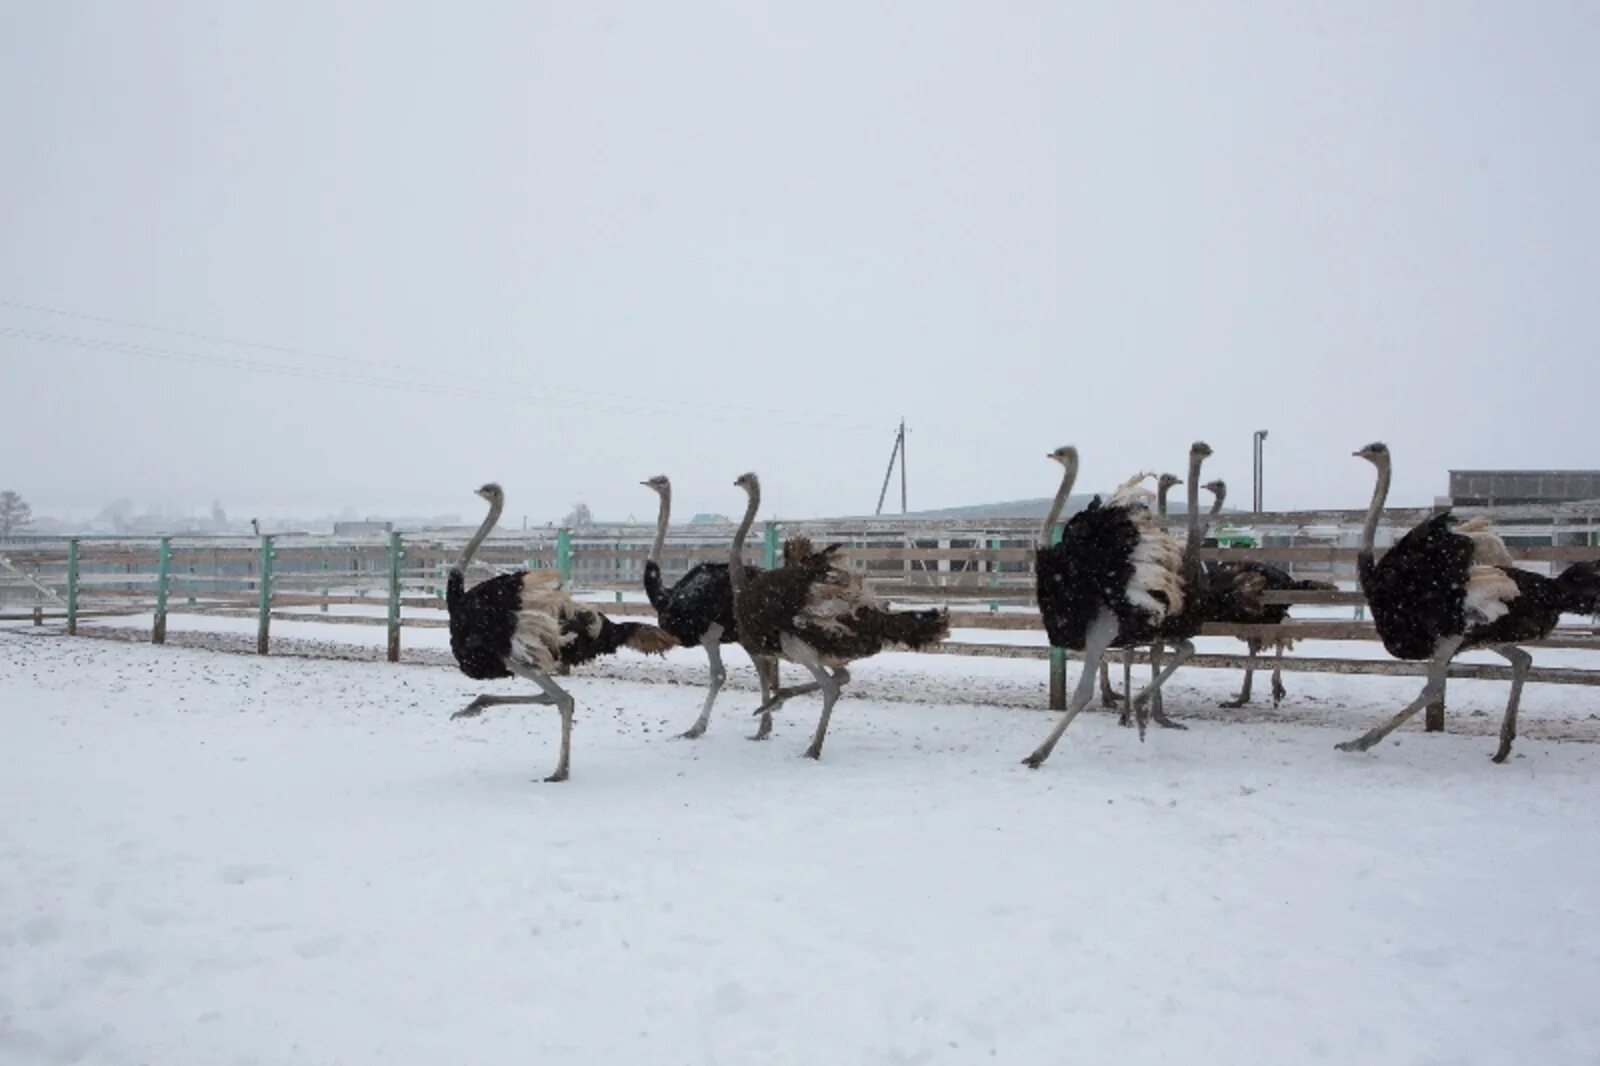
[
  {"x": 523, "y": 624},
  {"x": 699, "y": 610},
  {"x": 817, "y": 614},
  {"x": 1237, "y": 597},
  {"x": 1450, "y": 585},
  {"x": 1116, "y": 580}
]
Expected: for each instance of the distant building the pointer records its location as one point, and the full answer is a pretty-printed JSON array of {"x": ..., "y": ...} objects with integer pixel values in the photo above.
[
  {"x": 362, "y": 529},
  {"x": 1502, "y": 488}
]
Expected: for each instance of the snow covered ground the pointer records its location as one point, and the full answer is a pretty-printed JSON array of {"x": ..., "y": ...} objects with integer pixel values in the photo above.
[{"x": 213, "y": 858}]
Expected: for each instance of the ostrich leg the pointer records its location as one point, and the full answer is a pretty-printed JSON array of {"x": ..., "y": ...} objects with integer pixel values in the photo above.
[
  {"x": 1108, "y": 695},
  {"x": 831, "y": 684},
  {"x": 1101, "y": 632},
  {"x": 1182, "y": 651},
  {"x": 1249, "y": 674},
  {"x": 553, "y": 693},
  {"x": 712, "y": 642},
  {"x": 1438, "y": 670},
  {"x": 767, "y": 674},
  {"x": 483, "y": 703},
  {"x": 1124, "y": 719},
  {"x": 1278, "y": 691},
  {"x": 1520, "y": 661}
]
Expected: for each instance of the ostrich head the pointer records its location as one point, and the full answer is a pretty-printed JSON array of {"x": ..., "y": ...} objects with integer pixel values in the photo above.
[
  {"x": 1201, "y": 449},
  {"x": 749, "y": 482},
  {"x": 492, "y": 492},
  {"x": 658, "y": 484},
  {"x": 1168, "y": 481},
  {"x": 1066, "y": 455},
  {"x": 1376, "y": 453},
  {"x": 1216, "y": 488}
]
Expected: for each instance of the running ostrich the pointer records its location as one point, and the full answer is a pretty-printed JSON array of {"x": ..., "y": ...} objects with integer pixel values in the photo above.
[
  {"x": 1450, "y": 585},
  {"x": 817, "y": 614},
  {"x": 1116, "y": 579},
  {"x": 1238, "y": 598},
  {"x": 699, "y": 610},
  {"x": 522, "y": 624}
]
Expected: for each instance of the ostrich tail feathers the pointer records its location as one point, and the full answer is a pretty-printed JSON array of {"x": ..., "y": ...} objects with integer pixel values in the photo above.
[
  {"x": 915, "y": 630},
  {"x": 651, "y": 640}
]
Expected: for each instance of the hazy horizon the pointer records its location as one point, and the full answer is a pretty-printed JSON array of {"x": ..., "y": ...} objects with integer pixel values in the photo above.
[{"x": 390, "y": 253}]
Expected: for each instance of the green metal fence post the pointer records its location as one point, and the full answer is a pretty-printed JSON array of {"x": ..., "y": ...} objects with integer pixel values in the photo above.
[
  {"x": 158, "y": 633},
  {"x": 191, "y": 584},
  {"x": 395, "y": 555},
  {"x": 72, "y": 586},
  {"x": 1058, "y": 656},
  {"x": 769, "y": 539},
  {"x": 564, "y": 556},
  {"x": 264, "y": 619}
]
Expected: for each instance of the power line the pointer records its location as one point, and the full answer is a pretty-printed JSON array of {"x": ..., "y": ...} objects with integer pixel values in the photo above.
[
  {"x": 403, "y": 368},
  {"x": 500, "y": 394}
]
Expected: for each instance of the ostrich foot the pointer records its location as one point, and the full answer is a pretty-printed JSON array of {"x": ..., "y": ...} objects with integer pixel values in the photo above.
[
  {"x": 557, "y": 777},
  {"x": 473, "y": 709},
  {"x": 1164, "y": 722},
  {"x": 764, "y": 730},
  {"x": 1503, "y": 752},
  {"x": 1235, "y": 703},
  {"x": 1278, "y": 693},
  {"x": 1361, "y": 743},
  {"x": 813, "y": 752},
  {"x": 1036, "y": 760},
  {"x": 694, "y": 732},
  {"x": 1125, "y": 719}
]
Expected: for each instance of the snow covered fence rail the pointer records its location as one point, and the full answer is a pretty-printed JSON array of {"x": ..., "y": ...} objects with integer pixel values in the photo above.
[{"x": 981, "y": 570}]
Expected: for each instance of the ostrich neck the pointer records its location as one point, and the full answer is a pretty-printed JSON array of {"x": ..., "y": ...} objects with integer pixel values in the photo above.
[
  {"x": 1197, "y": 529},
  {"x": 1161, "y": 498},
  {"x": 1216, "y": 503},
  {"x": 1068, "y": 476},
  {"x": 736, "y": 573},
  {"x": 471, "y": 549},
  {"x": 661, "y": 525},
  {"x": 1380, "y": 495}
]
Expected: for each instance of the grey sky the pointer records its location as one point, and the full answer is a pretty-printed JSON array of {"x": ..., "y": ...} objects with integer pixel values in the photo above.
[{"x": 738, "y": 237}]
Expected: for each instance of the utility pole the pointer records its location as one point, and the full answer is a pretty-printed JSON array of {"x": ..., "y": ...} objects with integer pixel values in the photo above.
[
  {"x": 898, "y": 452},
  {"x": 1259, "y": 450}
]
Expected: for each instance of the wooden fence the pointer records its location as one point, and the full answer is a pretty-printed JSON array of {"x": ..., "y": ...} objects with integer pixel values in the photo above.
[{"x": 981, "y": 571}]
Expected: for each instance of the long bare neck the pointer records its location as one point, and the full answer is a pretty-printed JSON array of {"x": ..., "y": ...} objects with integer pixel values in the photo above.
[
  {"x": 1197, "y": 529},
  {"x": 1068, "y": 476},
  {"x": 471, "y": 549},
  {"x": 661, "y": 524},
  {"x": 1161, "y": 497},
  {"x": 736, "y": 573},
  {"x": 1380, "y": 494},
  {"x": 1216, "y": 501}
]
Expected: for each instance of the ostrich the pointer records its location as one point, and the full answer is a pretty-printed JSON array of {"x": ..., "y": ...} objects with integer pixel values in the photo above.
[
  {"x": 1450, "y": 585},
  {"x": 1116, "y": 579},
  {"x": 815, "y": 613},
  {"x": 699, "y": 610},
  {"x": 522, "y": 624},
  {"x": 1237, "y": 598}
]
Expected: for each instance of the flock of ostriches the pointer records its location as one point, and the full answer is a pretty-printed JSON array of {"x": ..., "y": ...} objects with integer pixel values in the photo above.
[{"x": 1115, "y": 579}]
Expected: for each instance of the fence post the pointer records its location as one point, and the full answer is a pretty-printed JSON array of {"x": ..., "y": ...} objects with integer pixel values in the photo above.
[
  {"x": 1058, "y": 656},
  {"x": 769, "y": 539},
  {"x": 72, "y": 587},
  {"x": 395, "y": 555},
  {"x": 564, "y": 556},
  {"x": 325, "y": 579},
  {"x": 264, "y": 618},
  {"x": 158, "y": 633},
  {"x": 38, "y": 615},
  {"x": 191, "y": 584}
]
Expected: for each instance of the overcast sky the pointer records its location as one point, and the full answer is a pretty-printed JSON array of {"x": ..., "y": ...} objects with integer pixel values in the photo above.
[{"x": 569, "y": 246}]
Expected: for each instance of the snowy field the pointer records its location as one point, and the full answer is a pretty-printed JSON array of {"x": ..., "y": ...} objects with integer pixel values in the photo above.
[{"x": 216, "y": 858}]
